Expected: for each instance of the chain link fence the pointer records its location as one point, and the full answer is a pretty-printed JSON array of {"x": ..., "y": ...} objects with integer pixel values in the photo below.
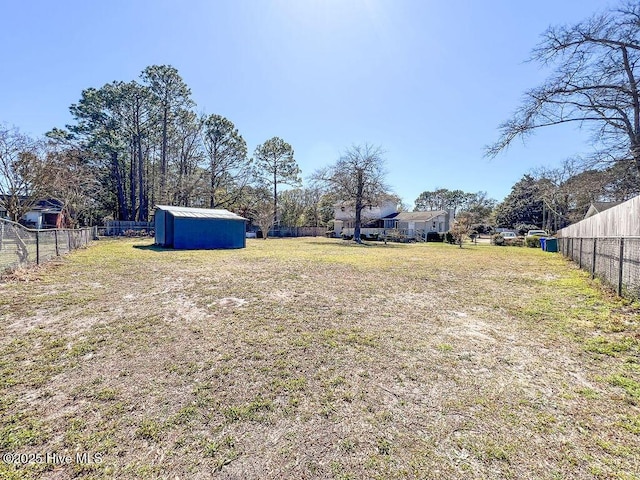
[
  {"x": 615, "y": 260},
  {"x": 20, "y": 246}
]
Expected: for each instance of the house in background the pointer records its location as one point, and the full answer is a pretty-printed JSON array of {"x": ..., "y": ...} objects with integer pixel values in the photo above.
[
  {"x": 385, "y": 218},
  {"x": 198, "y": 228},
  {"x": 371, "y": 216},
  {"x": 419, "y": 223},
  {"x": 46, "y": 213}
]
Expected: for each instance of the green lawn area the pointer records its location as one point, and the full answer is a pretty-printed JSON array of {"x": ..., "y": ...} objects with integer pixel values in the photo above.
[{"x": 317, "y": 358}]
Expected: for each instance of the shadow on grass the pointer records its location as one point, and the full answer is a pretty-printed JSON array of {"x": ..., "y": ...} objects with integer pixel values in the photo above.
[{"x": 153, "y": 248}]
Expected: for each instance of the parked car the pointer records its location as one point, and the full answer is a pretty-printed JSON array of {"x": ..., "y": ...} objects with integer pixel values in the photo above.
[
  {"x": 506, "y": 235},
  {"x": 537, "y": 233}
]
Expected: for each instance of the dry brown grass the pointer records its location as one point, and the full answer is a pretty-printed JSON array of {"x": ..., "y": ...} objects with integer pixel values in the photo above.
[{"x": 314, "y": 358}]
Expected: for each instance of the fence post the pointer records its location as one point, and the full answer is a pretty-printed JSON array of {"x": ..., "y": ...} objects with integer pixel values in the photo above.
[
  {"x": 55, "y": 236},
  {"x": 69, "y": 239},
  {"x": 37, "y": 247},
  {"x": 593, "y": 263},
  {"x": 580, "y": 257},
  {"x": 620, "y": 265}
]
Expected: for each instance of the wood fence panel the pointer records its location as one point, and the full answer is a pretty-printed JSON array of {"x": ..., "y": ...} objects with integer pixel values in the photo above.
[{"x": 620, "y": 221}]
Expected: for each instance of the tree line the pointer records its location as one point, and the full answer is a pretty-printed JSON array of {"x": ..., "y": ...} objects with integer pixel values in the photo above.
[
  {"x": 133, "y": 145},
  {"x": 547, "y": 198},
  {"x": 136, "y": 144}
]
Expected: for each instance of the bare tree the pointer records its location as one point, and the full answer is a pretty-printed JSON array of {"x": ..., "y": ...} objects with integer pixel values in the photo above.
[
  {"x": 72, "y": 182},
  {"x": 263, "y": 217},
  {"x": 594, "y": 83},
  {"x": 23, "y": 172},
  {"x": 357, "y": 178},
  {"x": 554, "y": 193},
  {"x": 479, "y": 205}
]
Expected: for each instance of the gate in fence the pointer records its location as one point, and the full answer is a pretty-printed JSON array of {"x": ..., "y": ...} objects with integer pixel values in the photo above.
[
  {"x": 615, "y": 260},
  {"x": 20, "y": 246}
]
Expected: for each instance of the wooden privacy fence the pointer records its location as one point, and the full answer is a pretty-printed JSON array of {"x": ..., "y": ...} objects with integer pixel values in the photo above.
[
  {"x": 607, "y": 245},
  {"x": 20, "y": 246},
  {"x": 620, "y": 221},
  {"x": 615, "y": 260}
]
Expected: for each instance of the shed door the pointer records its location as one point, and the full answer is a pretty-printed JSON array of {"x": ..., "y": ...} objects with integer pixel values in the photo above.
[{"x": 159, "y": 226}]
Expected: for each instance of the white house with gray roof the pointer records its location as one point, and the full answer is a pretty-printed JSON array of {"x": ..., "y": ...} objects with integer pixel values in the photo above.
[{"x": 378, "y": 220}]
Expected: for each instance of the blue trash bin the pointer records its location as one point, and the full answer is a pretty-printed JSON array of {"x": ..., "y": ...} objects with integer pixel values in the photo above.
[
  {"x": 543, "y": 242},
  {"x": 551, "y": 245}
]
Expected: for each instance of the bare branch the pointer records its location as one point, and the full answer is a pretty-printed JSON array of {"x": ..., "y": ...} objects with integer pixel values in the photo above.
[{"x": 594, "y": 83}]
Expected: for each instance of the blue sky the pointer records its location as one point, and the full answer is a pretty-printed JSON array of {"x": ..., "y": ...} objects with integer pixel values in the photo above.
[{"x": 429, "y": 81}]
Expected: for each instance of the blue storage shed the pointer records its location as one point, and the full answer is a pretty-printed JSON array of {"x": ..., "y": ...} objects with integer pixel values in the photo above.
[{"x": 199, "y": 228}]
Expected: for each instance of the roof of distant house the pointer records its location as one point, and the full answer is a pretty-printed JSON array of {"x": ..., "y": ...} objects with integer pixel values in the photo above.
[
  {"x": 192, "y": 212},
  {"x": 48, "y": 206},
  {"x": 598, "y": 207},
  {"x": 425, "y": 216}
]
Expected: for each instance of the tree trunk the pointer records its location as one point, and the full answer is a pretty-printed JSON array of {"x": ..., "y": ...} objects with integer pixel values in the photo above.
[
  {"x": 214, "y": 157},
  {"x": 13, "y": 208},
  {"x": 163, "y": 157},
  {"x": 116, "y": 175},
  {"x": 143, "y": 200},
  {"x": 148, "y": 184},
  {"x": 635, "y": 153},
  {"x": 356, "y": 229},
  {"x": 133, "y": 179},
  {"x": 275, "y": 196}
]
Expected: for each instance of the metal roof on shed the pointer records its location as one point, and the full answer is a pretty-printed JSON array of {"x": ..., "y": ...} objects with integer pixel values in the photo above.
[{"x": 192, "y": 212}]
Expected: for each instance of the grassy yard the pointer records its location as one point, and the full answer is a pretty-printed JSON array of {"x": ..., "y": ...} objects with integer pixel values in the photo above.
[{"x": 315, "y": 358}]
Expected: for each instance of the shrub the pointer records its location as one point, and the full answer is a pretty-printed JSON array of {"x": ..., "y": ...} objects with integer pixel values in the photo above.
[
  {"x": 532, "y": 242},
  {"x": 514, "y": 242},
  {"x": 434, "y": 237},
  {"x": 497, "y": 239},
  {"x": 450, "y": 238}
]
